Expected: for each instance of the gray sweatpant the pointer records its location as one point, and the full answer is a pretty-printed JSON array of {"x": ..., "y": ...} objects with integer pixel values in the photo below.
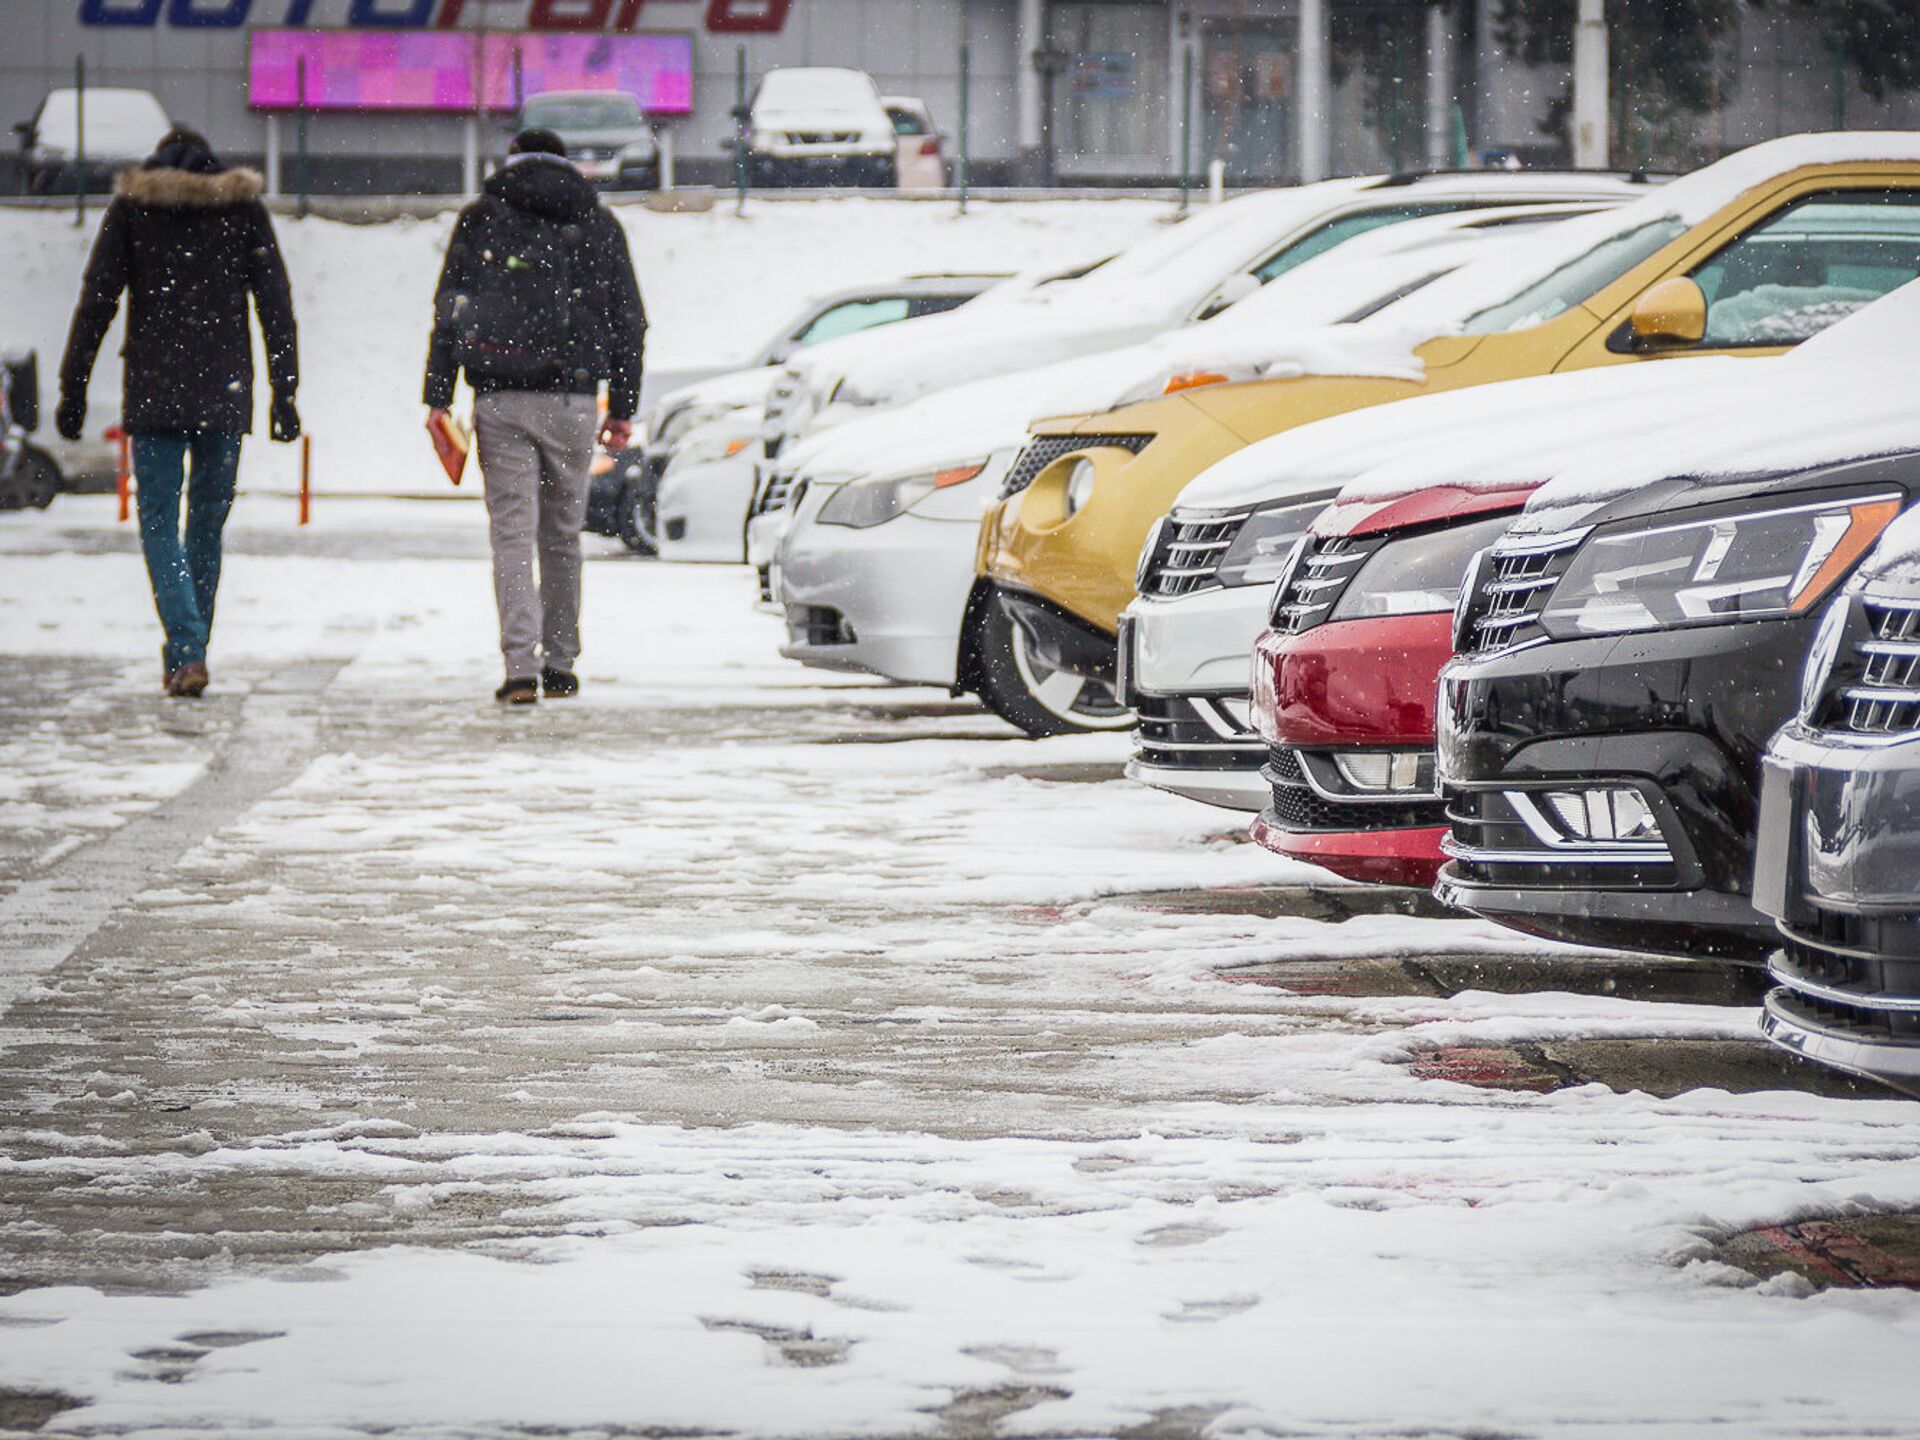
[{"x": 534, "y": 452}]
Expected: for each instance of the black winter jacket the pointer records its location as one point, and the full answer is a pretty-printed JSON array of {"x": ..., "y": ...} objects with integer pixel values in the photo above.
[
  {"x": 188, "y": 242},
  {"x": 541, "y": 218}
]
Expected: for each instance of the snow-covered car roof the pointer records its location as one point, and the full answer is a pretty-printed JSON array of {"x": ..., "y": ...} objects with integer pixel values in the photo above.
[
  {"x": 1292, "y": 322},
  {"x": 1151, "y": 286},
  {"x": 122, "y": 124}
]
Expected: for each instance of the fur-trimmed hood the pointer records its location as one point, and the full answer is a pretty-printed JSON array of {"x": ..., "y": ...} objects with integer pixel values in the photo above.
[{"x": 174, "y": 189}]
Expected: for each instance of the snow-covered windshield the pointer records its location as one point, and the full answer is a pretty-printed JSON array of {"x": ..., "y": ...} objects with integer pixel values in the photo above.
[
  {"x": 582, "y": 112},
  {"x": 816, "y": 89},
  {"x": 1573, "y": 282}
]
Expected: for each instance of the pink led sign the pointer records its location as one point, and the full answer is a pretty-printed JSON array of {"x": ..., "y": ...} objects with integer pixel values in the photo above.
[{"x": 437, "y": 70}]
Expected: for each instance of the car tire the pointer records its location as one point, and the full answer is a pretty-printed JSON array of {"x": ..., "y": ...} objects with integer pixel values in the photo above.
[
  {"x": 1028, "y": 695},
  {"x": 628, "y": 521},
  {"x": 38, "y": 477}
]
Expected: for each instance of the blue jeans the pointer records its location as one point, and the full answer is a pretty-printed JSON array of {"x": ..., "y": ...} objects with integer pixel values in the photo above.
[{"x": 184, "y": 577}]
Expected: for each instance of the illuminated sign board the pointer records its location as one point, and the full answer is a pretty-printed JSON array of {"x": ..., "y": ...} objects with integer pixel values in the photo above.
[
  {"x": 721, "y": 17},
  {"x": 462, "y": 71}
]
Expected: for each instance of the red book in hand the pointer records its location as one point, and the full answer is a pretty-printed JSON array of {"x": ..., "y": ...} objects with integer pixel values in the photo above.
[{"x": 451, "y": 443}]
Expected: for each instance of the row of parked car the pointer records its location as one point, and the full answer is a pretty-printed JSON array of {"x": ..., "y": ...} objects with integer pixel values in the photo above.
[{"x": 1543, "y": 538}]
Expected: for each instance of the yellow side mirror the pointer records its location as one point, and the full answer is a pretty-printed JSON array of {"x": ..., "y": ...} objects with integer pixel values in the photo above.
[{"x": 1674, "y": 312}]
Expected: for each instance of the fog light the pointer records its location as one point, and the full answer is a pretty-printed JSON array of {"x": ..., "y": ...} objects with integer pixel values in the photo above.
[
  {"x": 1080, "y": 486},
  {"x": 1620, "y": 815},
  {"x": 1379, "y": 772}
]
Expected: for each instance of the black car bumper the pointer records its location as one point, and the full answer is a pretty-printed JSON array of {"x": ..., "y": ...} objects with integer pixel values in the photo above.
[{"x": 1672, "y": 721}]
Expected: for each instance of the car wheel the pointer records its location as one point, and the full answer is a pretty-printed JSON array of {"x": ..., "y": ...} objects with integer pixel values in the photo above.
[
  {"x": 631, "y": 520},
  {"x": 1028, "y": 693},
  {"x": 38, "y": 478}
]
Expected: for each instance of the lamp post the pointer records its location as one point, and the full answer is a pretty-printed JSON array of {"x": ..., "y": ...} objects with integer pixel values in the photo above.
[{"x": 1050, "y": 63}]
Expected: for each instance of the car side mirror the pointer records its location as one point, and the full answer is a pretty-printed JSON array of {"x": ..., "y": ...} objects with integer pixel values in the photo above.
[
  {"x": 1672, "y": 313},
  {"x": 1231, "y": 292}
]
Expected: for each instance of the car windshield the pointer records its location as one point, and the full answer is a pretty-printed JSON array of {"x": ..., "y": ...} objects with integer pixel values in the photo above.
[
  {"x": 1578, "y": 280},
  {"x": 816, "y": 90},
  {"x": 583, "y": 112}
]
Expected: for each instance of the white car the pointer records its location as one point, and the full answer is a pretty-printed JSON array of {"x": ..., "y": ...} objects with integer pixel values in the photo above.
[
  {"x": 700, "y": 508},
  {"x": 918, "y": 163},
  {"x": 1188, "y": 272},
  {"x": 819, "y": 124},
  {"x": 122, "y": 128},
  {"x": 876, "y": 567}
]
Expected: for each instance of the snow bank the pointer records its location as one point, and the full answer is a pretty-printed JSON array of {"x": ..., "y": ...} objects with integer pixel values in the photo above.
[{"x": 714, "y": 283}]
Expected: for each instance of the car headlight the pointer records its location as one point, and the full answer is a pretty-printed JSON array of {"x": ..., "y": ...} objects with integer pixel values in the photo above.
[
  {"x": 1754, "y": 566},
  {"x": 1079, "y": 485},
  {"x": 863, "y": 504},
  {"x": 708, "y": 452},
  {"x": 1265, "y": 544},
  {"x": 678, "y": 422},
  {"x": 1418, "y": 575}
]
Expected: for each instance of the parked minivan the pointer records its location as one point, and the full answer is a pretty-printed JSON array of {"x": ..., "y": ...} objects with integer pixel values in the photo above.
[{"x": 121, "y": 127}]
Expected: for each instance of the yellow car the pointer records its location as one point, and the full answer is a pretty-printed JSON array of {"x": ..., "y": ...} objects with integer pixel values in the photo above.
[{"x": 1747, "y": 256}]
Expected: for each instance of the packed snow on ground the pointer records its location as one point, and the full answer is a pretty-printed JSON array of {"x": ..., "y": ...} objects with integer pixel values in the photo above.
[
  {"x": 741, "y": 1049},
  {"x": 716, "y": 285}
]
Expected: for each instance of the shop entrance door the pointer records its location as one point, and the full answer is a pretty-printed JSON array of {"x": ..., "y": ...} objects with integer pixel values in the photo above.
[
  {"x": 1246, "y": 98},
  {"x": 1111, "y": 97}
]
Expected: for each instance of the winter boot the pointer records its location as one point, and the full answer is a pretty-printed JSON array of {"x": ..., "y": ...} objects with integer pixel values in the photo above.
[{"x": 518, "y": 692}]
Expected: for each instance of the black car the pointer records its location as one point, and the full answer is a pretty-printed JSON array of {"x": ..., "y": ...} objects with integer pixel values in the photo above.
[
  {"x": 1600, "y": 734},
  {"x": 1839, "y": 858}
]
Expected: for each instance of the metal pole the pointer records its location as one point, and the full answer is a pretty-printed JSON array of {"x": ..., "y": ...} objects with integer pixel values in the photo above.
[
  {"x": 740, "y": 129},
  {"x": 1839, "y": 82},
  {"x": 302, "y": 162},
  {"x": 1186, "y": 127},
  {"x": 966, "y": 101},
  {"x": 80, "y": 140},
  {"x": 1315, "y": 82},
  {"x": 273, "y": 156},
  {"x": 1439, "y": 87},
  {"x": 1590, "y": 87}
]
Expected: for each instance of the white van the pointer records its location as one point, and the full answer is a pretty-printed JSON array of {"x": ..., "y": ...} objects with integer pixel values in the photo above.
[
  {"x": 122, "y": 127},
  {"x": 821, "y": 125}
]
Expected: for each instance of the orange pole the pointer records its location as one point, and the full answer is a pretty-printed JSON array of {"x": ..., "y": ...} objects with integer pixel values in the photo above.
[
  {"x": 124, "y": 481},
  {"x": 306, "y": 479}
]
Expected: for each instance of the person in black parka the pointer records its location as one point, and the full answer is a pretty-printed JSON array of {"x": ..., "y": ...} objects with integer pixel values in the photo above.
[
  {"x": 538, "y": 305},
  {"x": 191, "y": 244}
]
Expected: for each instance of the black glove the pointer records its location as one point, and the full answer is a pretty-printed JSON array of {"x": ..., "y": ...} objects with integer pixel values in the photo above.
[
  {"x": 283, "y": 421},
  {"x": 71, "y": 418}
]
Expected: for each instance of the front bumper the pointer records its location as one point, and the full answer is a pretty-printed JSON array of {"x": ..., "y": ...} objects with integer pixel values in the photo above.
[
  {"x": 1183, "y": 669},
  {"x": 1345, "y": 686},
  {"x": 764, "y": 535},
  {"x": 1676, "y": 718},
  {"x": 701, "y": 511},
  {"x": 888, "y": 599},
  {"x": 1838, "y": 868}
]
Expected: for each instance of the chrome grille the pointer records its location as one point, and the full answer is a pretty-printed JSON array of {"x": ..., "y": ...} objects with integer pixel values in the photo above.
[
  {"x": 776, "y": 494},
  {"x": 1315, "y": 585},
  {"x": 1043, "y": 450},
  {"x": 1514, "y": 586},
  {"x": 1885, "y": 699},
  {"x": 1189, "y": 551}
]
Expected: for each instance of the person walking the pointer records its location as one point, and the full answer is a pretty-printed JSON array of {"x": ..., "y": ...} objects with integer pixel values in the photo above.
[
  {"x": 189, "y": 241},
  {"x": 538, "y": 304}
]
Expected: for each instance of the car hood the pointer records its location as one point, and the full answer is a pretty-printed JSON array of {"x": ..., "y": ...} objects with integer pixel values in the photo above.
[
  {"x": 602, "y": 138},
  {"x": 736, "y": 387}
]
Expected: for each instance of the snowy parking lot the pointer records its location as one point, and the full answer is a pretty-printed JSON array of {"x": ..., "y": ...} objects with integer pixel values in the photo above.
[{"x": 734, "y": 1050}]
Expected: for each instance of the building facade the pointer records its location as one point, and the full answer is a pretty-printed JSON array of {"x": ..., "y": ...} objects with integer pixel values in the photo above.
[{"x": 1060, "y": 91}]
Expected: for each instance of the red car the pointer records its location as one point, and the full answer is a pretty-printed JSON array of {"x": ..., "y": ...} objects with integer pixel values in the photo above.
[{"x": 1345, "y": 680}]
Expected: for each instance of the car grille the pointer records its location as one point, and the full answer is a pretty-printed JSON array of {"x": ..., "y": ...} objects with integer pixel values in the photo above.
[
  {"x": 1188, "y": 553},
  {"x": 1173, "y": 734},
  {"x": 1875, "y": 995},
  {"x": 1298, "y": 806},
  {"x": 1885, "y": 698},
  {"x": 1505, "y": 608},
  {"x": 776, "y": 495},
  {"x": 1043, "y": 450},
  {"x": 822, "y": 137},
  {"x": 1315, "y": 585}
]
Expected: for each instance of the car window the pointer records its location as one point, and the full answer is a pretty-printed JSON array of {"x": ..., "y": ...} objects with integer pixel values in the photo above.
[
  {"x": 936, "y": 304},
  {"x": 1334, "y": 232},
  {"x": 906, "y": 122},
  {"x": 852, "y": 316},
  {"x": 583, "y": 112},
  {"x": 1578, "y": 280},
  {"x": 1813, "y": 263}
]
